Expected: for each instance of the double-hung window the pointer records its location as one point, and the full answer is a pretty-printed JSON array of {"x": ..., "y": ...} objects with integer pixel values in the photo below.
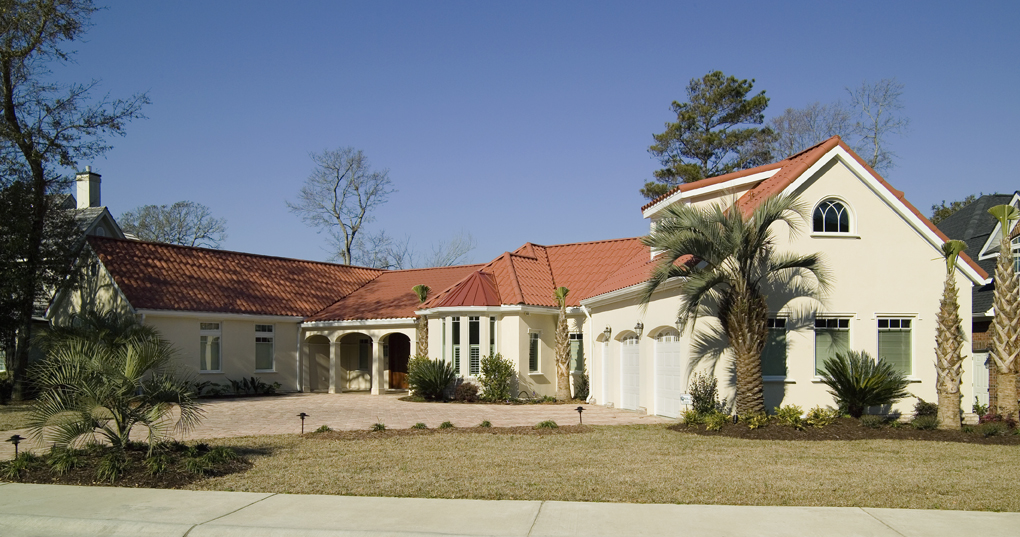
[
  {"x": 894, "y": 344},
  {"x": 773, "y": 356},
  {"x": 474, "y": 346},
  {"x": 534, "y": 340},
  {"x": 492, "y": 336},
  {"x": 264, "y": 347},
  {"x": 456, "y": 345},
  {"x": 209, "y": 347},
  {"x": 577, "y": 352},
  {"x": 832, "y": 336}
]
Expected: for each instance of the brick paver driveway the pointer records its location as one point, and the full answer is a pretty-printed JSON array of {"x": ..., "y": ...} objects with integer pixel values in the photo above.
[{"x": 278, "y": 415}]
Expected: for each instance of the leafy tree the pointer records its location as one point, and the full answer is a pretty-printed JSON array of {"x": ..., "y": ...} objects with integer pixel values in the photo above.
[
  {"x": 562, "y": 346},
  {"x": 1005, "y": 348},
  {"x": 949, "y": 337},
  {"x": 422, "y": 329},
  {"x": 46, "y": 127},
  {"x": 707, "y": 138},
  {"x": 339, "y": 197},
  {"x": 106, "y": 384},
  {"x": 185, "y": 223},
  {"x": 726, "y": 258},
  {"x": 496, "y": 378},
  {"x": 940, "y": 212}
]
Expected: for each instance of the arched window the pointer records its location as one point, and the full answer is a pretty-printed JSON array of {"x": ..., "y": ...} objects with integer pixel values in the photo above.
[
  {"x": 831, "y": 216},
  {"x": 668, "y": 336}
]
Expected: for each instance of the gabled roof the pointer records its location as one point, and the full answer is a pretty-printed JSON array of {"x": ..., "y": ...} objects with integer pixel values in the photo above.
[
  {"x": 531, "y": 274},
  {"x": 390, "y": 296},
  {"x": 182, "y": 278},
  {"x": 973, "y": 225}
]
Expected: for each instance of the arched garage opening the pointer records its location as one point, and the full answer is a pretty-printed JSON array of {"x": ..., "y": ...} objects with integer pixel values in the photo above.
[
  {"x": 318, "y": 363},
  {"x": 398, "y": 349},
  {"x": 354, "y": 370}
]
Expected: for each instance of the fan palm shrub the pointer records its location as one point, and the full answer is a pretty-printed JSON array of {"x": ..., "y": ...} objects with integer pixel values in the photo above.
[
  {"x": 1005, "y": 348},
  {"x": 949, "y": 337},
  {"x": 562, "y": 346},
  {"x": 857, "y": 381},
  {"x": 729, "y": 258},
  {"x": 429, "y": 378},
  {"x": 94, "y": 390}
]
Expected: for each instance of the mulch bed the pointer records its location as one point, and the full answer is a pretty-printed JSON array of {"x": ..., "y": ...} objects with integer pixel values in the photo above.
[
  {"x": 848, "y": 429},
  {"x": 394, "y": 433}
]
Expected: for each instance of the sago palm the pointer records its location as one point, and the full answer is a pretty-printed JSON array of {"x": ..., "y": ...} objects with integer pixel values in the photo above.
[
  {"x": 91, "y": 390},
  {"x": 949, "y": 339},
  {"x": 562, "y": 346},
  {"x": 729, "y": 259},
  {"x": 1006, "y": 322},
  {"x": 422, "y": 325}
]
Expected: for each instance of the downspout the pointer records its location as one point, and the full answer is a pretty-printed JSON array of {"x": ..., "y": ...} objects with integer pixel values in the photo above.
[{"x": 591, "y": 346}]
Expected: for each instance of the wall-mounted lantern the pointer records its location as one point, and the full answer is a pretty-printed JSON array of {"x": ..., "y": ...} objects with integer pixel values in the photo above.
[
  {"x": 639, "y": 327},
  {"x": 608, "y": 332}
]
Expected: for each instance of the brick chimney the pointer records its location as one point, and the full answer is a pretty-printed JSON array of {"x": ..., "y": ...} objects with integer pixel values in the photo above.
[{"x": 88, "y": 188}]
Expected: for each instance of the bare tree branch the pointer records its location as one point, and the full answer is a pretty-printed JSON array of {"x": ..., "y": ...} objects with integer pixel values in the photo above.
[{"x": 186, "y": 223}]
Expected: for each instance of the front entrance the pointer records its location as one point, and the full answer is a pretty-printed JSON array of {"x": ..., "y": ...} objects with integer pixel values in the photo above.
[
  {"x": 630, "y": 372},
  {"x": 399, "y": 352},
  {"x": 318, "y": 363}
]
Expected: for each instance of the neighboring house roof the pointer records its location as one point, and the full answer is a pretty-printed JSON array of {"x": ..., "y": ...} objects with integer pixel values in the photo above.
[
  {"x": 531, "y": 274},
  {"x": 391, "y": 295},
  {"x": 182, "y": 278}
]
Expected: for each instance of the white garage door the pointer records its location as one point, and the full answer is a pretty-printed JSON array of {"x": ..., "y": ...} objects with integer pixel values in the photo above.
[
  {"x": 670, "y": 371},
  {"x": 630, "y": 372}
]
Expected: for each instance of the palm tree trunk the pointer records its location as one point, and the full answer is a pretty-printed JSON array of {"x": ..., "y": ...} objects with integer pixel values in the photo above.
[
  {"x": 948, "y": 358},
  {"x": 422, "y": 336},
  {"x": 562, "y": 358},
  {"x": 745, "y": 318},
  {"x": 1005, "y": 329}
]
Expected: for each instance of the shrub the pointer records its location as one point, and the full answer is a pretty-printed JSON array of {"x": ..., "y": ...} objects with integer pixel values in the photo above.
[
  {"x": 582, "y": 387},
  {"x": 926, "y": 422},
  {"x": 197, "y": 465},
  {"x": 967, "y": 429},
  {"x": 111, "y": 466},
  {"x": 715, "y": 421},
  {"x": 378, "y": 427},
  {"x": 253, "y": 386},
  {"x": 466, "y": 393},
  {"x": 419, "y": 425},
  {"x": 992, "y": 417},
  {"x": 756, "y": 421},
  {"x": 446, "y": 425},
  {"x": 323, "y": 429},
  {"x": 547, "y": 424},
  {"x": 157, "y": 464},
  {"x": 497, "y": 374},
  {"x": 5, "y": 388},
  {"x": 221, "y": 454},
  {"x": 924, "y": 408},
  {"x": 704, "y": 390},
  {"x": 790, "y": 415},
  {"x": 24, "y": 461},
  {"x": 978, "y": 408},
  {"x": 692, "y": 417},
  {"x": 62, "y": 460},
  {"x": 872, "y": 421},
  {"x": 429, "y": 378},
  {"x": 857, "y": 381},
  {"x": 820, "y": 417},
  {"x": 485, "y": 424},
  {"x": 993, "y": 428}
]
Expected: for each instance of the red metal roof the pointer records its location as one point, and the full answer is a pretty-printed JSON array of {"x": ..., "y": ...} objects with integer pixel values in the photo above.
[{"x": 478, "y": 289}]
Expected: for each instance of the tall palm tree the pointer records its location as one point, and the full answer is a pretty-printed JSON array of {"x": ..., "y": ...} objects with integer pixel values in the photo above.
[
  {"x": 728, "y": 258},
  {"x": 422, "y": 325},
  {"x": 949, "y": 338},
  {"x": 1005, "y": 329},
  {"x": 562, "y": 347}
]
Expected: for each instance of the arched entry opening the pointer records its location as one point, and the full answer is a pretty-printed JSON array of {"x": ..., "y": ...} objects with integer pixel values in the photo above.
[
  {"x": 354, "y": 370},
  {"x": 398, "y": 349},
  {"x": 318, "y": 363}
]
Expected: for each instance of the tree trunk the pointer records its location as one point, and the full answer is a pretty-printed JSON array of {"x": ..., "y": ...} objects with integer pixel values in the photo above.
[
  {"x": 422, "y": 337},
  {"x": 948, "y": 359},
  {"x": 562, "y": 359},
  {"x": 745, "y": 318},
  {"x": 1005, "y": 330},
  {"x": 1005, "y": 389}
]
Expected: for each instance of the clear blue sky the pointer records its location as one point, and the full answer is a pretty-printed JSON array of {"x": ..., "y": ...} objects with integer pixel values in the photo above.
[{"x": 517, "y": 121}]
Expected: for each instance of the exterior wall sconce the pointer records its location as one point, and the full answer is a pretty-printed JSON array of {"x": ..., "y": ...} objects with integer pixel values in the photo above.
[
  {"x": 638, "y": 328},
  {"x": 679, "y": 324},
  {"x": 608, "y": 332}
]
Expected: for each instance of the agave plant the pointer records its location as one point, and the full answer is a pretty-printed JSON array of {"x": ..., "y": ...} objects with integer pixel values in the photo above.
[
  {"x": 429, "y": 378},
  {"x": 1005, "y": 330},
  {"x": 562, "y": 346},
  {"x": 92, "y": 390},
  {"x": 949, "y": 338},
  {"x": 857, "y": 381}
]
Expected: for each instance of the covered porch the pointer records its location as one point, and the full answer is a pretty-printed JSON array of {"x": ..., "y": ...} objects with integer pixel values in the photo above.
[{"x": 355, "y": 356}]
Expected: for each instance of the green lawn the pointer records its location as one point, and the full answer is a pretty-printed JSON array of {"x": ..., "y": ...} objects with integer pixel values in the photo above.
[
  {"x": 636, "y": 464},
  {"x": 14, "y": 416}
]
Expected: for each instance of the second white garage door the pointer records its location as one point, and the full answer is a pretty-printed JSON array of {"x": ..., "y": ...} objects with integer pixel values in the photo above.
[{"x": 670, "y": 374}]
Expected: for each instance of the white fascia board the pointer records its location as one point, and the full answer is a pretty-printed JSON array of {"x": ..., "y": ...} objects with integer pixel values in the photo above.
[
  {"x": 627, "y": 293},
  {"x": 993, "y": 237},
  {"x": 220, "y": 316},
  {"x": 518, "y": 309},
  {"x": 361, "y": 323},
  {"x": 923, "y": 230},
  {"x": 679, "y": 194}
]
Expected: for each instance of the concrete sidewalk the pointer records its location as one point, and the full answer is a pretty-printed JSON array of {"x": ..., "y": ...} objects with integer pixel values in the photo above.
[{"x": 54, "y": 510}]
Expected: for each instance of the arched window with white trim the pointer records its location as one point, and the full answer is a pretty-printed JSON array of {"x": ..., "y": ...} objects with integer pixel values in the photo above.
[{"x": 831, "y": 216}]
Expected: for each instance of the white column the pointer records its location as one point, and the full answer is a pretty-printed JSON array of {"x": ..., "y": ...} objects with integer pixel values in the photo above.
[
  {"x": 334, "y": 356},
  {"x": 377, "y": 366}
]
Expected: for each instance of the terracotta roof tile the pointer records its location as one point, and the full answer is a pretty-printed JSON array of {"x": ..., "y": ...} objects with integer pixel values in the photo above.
[
  {"x": 390, "y": 296},
  {"x": 168, "y": 277}
]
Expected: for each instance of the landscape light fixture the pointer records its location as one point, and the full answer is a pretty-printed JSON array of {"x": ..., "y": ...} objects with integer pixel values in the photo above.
[
  {"x": 302, "y": 416},
  {"x": 579, "y": 410},
  {"x": 638, "y": 328},
  {"x": 16, "y": 439}
]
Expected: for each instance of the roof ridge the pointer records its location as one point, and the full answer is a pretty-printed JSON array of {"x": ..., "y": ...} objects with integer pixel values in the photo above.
[
  {"x": 234, "y": 252},
  {"x": 393, "y": 271},
  {"x": 513, "y": 277}
]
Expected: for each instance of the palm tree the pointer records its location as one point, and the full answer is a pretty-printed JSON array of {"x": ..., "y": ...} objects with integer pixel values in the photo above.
[
  {"x": 949, "y": 338},
  {"x": 422, "y": 326},
  {"x": 725, "y": 257},
  {"x": 562, "y": 347},
  {"x": 110, "y": 327},
  {"x": 1005, "y": 329}
]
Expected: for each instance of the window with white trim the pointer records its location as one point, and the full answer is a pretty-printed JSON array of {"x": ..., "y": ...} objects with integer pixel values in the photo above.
[
  {"x": 832, "y": 336},
  {"x": 534, "y": 338},
  {"x": 773, "y": 356},
  {"x": 474, "y": 346},
  {"x": 576, "y": 340},
  {"x": 209, "y": 347},
  {"x": 492, "y": 336},
  {"x": 264, "y": 347},
  {"x": 364, "y": 354},
  {"x": 894, "y": 344},
  {"x": 831, "y": 216},
  {"x": 1016, "y": 254},
  {"x": 456, "y": 345}
]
